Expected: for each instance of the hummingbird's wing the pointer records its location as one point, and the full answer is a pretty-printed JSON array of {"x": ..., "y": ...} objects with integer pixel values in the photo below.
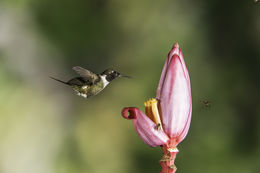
[
  {"x": 87, "y": 75},
  {"x": 78, "y": 81}
]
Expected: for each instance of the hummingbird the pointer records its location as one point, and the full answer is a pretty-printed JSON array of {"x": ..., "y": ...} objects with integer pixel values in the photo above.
[{"x": 88, "y": 83}]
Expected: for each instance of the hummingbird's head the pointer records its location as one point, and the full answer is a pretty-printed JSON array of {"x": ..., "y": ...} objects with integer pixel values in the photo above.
[{"x": 111, "y": 74}]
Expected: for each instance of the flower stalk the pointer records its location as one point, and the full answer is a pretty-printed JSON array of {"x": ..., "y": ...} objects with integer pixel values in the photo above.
[{"x": 167, "y": 161}]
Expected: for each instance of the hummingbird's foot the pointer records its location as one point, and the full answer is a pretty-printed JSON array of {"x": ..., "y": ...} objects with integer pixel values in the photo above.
[
  {"x": 81, "y": 94},
  {"x": 84, "y": 95}
]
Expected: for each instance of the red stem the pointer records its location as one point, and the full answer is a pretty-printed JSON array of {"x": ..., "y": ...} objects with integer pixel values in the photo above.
[{"x": 167, "y": 161}]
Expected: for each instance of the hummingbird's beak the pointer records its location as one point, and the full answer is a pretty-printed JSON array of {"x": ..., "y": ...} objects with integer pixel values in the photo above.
[{"x": 124, "y": 76}]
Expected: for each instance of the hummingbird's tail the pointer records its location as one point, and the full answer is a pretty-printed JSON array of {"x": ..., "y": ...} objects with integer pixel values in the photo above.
[{"x": 59, "y": 80}]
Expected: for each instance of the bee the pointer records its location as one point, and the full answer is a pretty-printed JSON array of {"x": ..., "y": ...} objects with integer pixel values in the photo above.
[{"x": 206, "y": 103}]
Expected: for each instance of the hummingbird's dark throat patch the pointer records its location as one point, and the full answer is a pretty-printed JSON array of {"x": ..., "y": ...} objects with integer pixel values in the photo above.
[{"x": 111, "y": 77}]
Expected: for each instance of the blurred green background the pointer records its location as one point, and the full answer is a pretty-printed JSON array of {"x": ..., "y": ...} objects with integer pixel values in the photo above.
[{"x": 46, "y": 128}]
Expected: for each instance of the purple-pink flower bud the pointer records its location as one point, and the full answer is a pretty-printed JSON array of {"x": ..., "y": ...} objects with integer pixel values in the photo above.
[{"x": 174, "y": 94}]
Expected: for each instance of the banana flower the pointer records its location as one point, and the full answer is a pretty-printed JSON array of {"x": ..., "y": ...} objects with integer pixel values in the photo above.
[{"x": 167, "y": 117}]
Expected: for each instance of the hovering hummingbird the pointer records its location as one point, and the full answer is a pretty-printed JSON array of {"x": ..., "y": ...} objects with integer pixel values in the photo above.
[{"x": 89, "y": 83}]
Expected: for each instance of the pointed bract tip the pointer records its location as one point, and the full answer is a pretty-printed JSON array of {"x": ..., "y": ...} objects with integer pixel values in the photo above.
[{"x": 176, "y": 45}]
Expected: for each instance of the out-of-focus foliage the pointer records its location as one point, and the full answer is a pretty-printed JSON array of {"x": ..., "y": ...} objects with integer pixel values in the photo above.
[{"x": 46, "y": 128}]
